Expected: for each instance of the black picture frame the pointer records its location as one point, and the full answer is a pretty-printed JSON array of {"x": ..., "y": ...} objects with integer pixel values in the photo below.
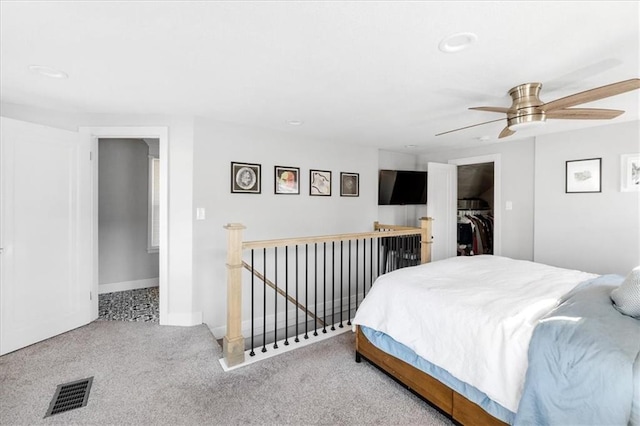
[
  {"x": 320, "y": 183},
  {"x": 349, "y": 184},
  {"x": 286, "y": 180},
  {"x": 583, "y": 176},
  {"x": 246, "y": 178}
]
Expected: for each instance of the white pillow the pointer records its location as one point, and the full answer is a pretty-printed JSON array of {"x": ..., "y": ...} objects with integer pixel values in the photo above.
[{"x": 626, "y": 298}]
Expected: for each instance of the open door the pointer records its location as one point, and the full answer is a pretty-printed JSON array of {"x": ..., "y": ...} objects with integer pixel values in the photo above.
[
  {"x": 45, "y": 233},
  {"x": 442, "y": 194}
]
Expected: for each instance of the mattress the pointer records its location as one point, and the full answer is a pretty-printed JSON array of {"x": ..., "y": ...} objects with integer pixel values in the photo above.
[{"x": 470, "y": 316}]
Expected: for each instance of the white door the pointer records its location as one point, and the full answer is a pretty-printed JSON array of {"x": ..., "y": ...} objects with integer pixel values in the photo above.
[
  {"x": 45, "y": 233},
  {"x": 442, "y": 194}
]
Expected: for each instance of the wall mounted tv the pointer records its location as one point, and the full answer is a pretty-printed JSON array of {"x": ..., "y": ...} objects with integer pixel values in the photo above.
[{"x": 402, "y": 187}]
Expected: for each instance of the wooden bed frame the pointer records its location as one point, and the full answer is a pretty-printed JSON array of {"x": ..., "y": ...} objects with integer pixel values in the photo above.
[{"x": 445, "y": 399}]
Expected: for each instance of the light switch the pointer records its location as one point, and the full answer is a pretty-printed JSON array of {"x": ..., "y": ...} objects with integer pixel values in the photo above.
[
  {"x": 509, "y": 206},
  {"x": 200, "y": 213}
]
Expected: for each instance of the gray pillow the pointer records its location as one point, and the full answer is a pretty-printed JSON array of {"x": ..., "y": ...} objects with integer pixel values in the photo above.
[{"x": 626, "y": 298}]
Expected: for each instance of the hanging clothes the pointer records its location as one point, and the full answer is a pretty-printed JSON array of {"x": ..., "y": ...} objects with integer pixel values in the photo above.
[{"x": 475, "y": 233}]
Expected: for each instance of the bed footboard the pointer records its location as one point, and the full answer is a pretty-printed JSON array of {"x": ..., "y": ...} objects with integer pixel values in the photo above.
[{"x": 433, "y": 391}]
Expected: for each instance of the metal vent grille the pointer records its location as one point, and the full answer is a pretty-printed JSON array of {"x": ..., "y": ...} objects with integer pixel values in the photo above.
[{"x": 69, "y": 396}]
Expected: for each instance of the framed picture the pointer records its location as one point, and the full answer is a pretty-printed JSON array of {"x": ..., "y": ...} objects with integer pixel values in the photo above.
[
  {"x": 319, "y": 182},
  {"x": 349, "y": 184},
  {"x": 286, "y": 180},
  {"x": 630, "y": 167},
  {"x": 245, "y": 178},
  {"x": 584, "y": 175}
]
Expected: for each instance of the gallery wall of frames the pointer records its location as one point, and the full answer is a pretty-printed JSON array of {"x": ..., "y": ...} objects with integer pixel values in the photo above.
[{"x": 246, "y": 178}]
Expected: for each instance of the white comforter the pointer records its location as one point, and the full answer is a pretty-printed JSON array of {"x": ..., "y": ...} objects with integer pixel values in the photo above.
[{"x": 472, "y": 316}]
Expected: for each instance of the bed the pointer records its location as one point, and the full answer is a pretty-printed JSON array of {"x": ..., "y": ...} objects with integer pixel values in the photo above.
[{"x": 493, "y": 340}]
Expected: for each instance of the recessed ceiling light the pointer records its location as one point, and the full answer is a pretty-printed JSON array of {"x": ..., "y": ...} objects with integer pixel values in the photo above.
[
  {"x": 48, "y": 71},
  {"x": 457, "y": 42},
  {"x": 411, "y": 146},
  {"x": 295, "y": 123}
]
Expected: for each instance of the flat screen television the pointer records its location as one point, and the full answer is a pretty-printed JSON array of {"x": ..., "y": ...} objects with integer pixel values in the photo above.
[{"x": 402, "y": 187}]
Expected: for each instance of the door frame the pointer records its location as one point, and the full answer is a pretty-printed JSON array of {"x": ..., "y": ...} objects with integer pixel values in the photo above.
[
  {"x": 497, "y": 191},
  {"x": 162, "y": 134}
]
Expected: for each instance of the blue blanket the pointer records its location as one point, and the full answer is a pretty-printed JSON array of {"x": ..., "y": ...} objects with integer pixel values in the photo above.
[{"x": 581, "y": 360}]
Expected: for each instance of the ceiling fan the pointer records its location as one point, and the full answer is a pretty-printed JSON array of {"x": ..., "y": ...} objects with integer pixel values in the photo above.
[{"x": 528, "y": 110}]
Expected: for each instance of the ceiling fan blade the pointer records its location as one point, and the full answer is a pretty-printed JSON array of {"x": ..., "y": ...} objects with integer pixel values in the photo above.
[
  {"x": 491, "y": 109},
  {"x": 505, "y": 132},
  {"x": 593, "y": 95},
  {"x": 584, "y": 113},
  {"x": 473, "y": 125}
]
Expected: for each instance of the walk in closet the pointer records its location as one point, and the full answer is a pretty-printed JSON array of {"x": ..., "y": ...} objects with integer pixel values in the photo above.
[{"x": 475, "y": 209}]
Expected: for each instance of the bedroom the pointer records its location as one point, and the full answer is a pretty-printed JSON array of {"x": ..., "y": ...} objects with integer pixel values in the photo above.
[{"x": 202, "y": 146}]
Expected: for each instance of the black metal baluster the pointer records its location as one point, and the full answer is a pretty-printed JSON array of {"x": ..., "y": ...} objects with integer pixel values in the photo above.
[
  {"x": 252, "y": 353},
  {"x": 379, "y": 243},
  {"x": 315, "y": 288},
  {"x": 364, "y": 267},
  {"x": 341, "y": 282},
  {"x": 264, "y": 301},
  {"x": 297, "y": 276},
  {"x": 324, "y": 286},
  {"x": 371, "y": 263},
  {"x": 349, "y": 290},
  {"x": 333, "y": 286},
  {"x": 275, "y": 299},
  {"x": 306, "y": 290},
  {"x": 286, "y": 295}
]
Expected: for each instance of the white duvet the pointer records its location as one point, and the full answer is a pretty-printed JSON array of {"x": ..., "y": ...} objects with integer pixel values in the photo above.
[{"x": 472, "y": 316}]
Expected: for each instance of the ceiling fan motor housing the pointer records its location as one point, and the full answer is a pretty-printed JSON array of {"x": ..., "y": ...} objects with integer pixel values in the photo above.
[{"x": 526, "y": 106}]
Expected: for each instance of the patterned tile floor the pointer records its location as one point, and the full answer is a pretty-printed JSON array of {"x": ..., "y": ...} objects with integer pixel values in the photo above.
[{"x": 130, "y": 305}]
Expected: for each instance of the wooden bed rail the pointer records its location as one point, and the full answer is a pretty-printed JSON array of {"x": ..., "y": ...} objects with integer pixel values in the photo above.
[{"x": 234, "y": 341}]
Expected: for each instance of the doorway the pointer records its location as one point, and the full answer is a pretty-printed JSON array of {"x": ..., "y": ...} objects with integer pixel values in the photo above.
[
  {"x": 161, "y": 134},
  {"x": 479, "y": 204},
  {"x": 128, "y": 254},
  {"x": 475, "y": 208}
]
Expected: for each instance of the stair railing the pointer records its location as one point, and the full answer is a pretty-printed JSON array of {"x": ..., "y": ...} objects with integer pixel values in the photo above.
[{"x": 339, "y": 270}]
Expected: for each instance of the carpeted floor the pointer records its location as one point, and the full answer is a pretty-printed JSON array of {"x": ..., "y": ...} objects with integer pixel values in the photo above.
[
  {"x": 147, "y": 374},
  {"x": 130, "y": 305}
]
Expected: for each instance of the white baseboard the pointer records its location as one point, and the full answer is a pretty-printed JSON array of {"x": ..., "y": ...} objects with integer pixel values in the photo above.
[
  {"x": 128, "y": 285},
  {"x": 282, "y": 348}
]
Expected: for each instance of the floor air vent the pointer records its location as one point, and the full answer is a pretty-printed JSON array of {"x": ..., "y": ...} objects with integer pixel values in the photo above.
[{"x": 69, "y": 396}]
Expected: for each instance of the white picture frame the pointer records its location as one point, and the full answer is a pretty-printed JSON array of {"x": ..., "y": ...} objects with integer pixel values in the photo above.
[{"x": 630, "y": 172}]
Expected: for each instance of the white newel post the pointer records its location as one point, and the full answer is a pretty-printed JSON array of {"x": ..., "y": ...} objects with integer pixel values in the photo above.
[{"x": 233, "y": 342}]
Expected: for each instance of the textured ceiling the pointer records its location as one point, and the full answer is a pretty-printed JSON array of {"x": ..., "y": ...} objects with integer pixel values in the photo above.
[{"x": 353, "y": 72}]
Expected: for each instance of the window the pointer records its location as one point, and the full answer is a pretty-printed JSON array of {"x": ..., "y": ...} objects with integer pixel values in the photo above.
[{"x": 153, "y": 244}]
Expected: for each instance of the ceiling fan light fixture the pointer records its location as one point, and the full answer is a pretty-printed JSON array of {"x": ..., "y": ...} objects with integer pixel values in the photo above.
[
  {"x": 526, "y": 122},
  {"x": 457, "y": 42}
]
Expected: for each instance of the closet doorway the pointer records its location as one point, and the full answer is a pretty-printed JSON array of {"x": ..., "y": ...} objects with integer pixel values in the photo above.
[{"x": 478, "y": 205}]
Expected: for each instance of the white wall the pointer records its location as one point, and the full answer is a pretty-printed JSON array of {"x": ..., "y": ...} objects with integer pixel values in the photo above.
[
  {"x": 594, "y": 232},
  {"x": 517, "y": 186},
  {"x": 399, "y": 215},
  {"x": 267, "y": 215}
]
